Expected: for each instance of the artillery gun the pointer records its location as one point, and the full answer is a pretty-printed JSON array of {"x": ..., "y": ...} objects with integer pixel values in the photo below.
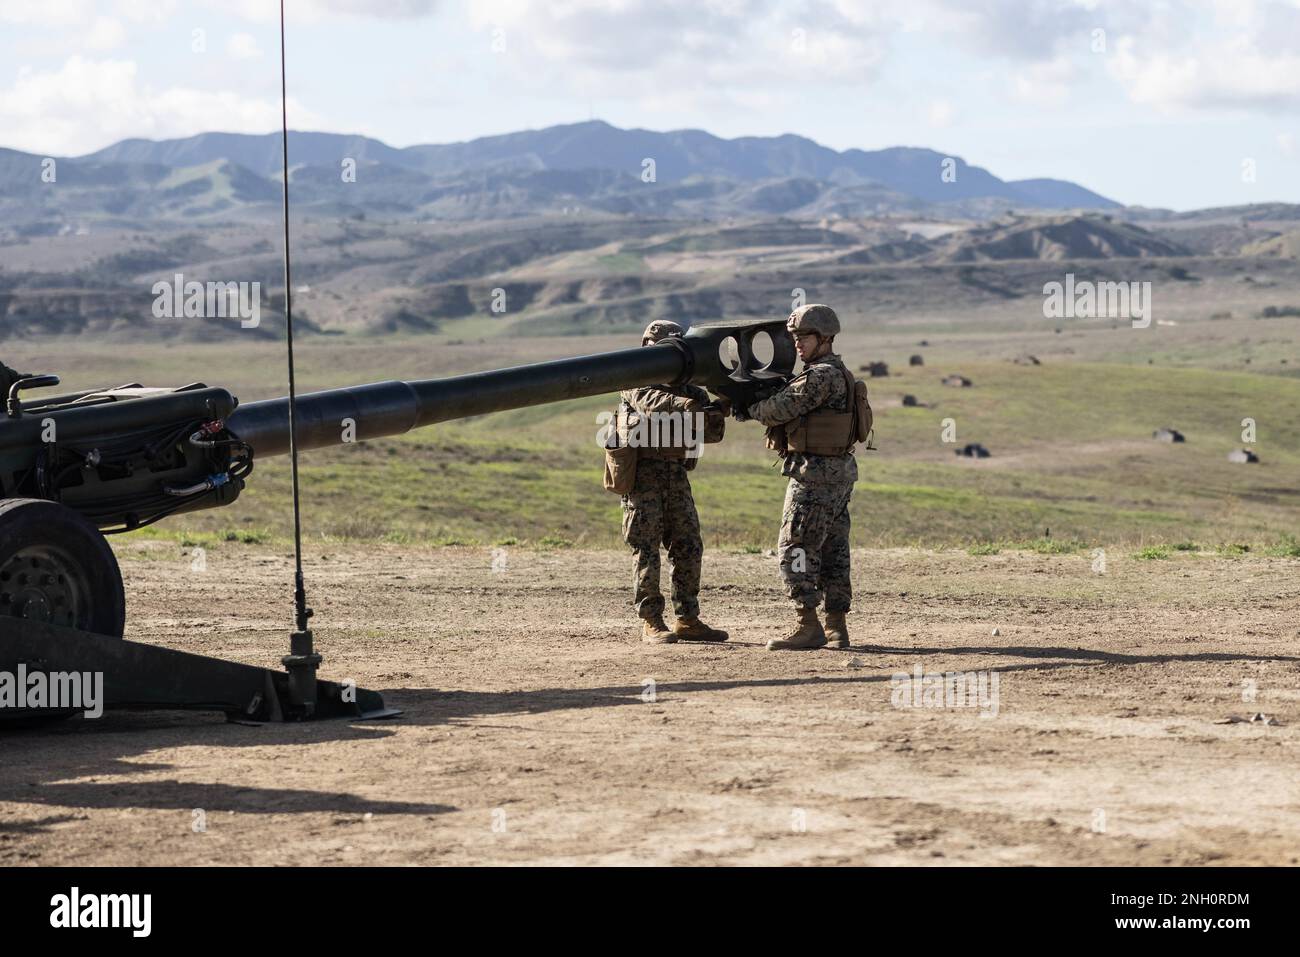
[{"x": 77, "y": 467}]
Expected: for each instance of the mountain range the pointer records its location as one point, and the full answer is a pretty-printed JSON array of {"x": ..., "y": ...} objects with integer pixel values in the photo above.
[{"x": 591, "y": 167}]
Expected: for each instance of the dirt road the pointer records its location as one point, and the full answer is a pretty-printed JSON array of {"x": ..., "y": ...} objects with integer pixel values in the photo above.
[{"x": 537, "y": 729}]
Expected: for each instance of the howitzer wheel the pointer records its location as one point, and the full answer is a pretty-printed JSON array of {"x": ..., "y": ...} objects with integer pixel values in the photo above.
[{"x": 57, "y": 568}]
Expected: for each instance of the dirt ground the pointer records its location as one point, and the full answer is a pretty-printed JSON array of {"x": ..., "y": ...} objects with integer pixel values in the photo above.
[{"x": 532, "y": 734}]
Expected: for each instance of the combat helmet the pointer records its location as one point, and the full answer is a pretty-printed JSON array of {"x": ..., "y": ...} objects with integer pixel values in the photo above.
[
  {"x": 814, "y": 317},
  {"x": 661, "y": 329}
]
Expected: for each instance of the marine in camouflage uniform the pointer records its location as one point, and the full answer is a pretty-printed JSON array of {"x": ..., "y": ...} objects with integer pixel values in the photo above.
[
  {"x": 660, "y": 512},
  {"x": 813, "y": 548}
]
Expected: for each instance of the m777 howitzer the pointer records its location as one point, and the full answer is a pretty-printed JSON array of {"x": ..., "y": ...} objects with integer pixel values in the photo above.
[{"x": 79, "y": 466}]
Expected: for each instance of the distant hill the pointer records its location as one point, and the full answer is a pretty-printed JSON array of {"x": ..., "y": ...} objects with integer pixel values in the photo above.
[
  {"x": 1260, "y": 229},
  {"x": 1065, "y": 237},
  {"x": 1286, "y": 245},
  {"x": 261, "y": 153},
  {"x": 1060, "y": 194}
]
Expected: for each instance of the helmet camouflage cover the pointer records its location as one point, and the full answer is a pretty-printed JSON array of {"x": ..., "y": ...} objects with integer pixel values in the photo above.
[
  {"x": 814, "y": 317},
  {"x": 661, "y": 329}
]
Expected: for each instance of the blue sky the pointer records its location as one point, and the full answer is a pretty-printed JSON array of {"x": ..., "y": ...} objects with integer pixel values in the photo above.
[{"x": 1159, "y": 103}]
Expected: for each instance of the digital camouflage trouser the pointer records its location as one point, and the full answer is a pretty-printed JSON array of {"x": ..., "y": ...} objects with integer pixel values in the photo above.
[
  {"x": 814, "y": 545},
  {"x": 660, "y": 511}
]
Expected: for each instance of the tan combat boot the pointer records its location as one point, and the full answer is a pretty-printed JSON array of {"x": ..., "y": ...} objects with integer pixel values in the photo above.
[
  {"x": 837, "y": 629},
  {"x": 808, "y": 635},
  {"x": 692, "y": 629},
  {"x": 655, "y": 632}
]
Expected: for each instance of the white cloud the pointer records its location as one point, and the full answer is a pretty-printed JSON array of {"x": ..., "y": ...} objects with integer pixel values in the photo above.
[
  {"x": 71, "y": 13},
  {"x": 99, "y": 35},
  {"x": 88, "y": 103},
  {"x": 940, "y": 113},
  {"x": 55, "y": 13},
  {"x": 243, "y": 46},
  {"x": 1234, "y": 73},
  {"x": 724, "y": 54},
  {"x": 383, "y": 9},
  {"x": 1178, "y": 54},
  {"x": 1010, "y": 29},
  {"x": 145, "y": 11},
  {"x": 104, "y": 34},
  {"x": 1046, "y": 84}
]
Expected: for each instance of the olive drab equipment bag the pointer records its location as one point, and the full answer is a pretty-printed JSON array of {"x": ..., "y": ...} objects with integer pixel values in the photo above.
[
  {"x": 863, "y": 420},
  {"x": 620, "y": 458}
]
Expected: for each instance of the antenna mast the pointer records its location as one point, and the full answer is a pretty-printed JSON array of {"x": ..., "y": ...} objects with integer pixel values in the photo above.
[{"x": 302, "y": 660}]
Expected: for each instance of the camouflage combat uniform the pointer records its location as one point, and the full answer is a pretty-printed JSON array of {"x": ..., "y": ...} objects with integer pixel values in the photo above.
[
  {"x": 660, "y": 510},
  {"x": 813, "y": 548}
]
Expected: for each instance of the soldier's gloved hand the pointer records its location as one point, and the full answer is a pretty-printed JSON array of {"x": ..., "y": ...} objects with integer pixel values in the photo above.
[
  {"x": 721, "y": 404},
  {"x": 741, "y": 413}
]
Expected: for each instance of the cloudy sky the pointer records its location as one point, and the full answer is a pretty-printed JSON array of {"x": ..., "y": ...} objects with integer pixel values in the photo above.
[{"x": 1159, "y": 102}]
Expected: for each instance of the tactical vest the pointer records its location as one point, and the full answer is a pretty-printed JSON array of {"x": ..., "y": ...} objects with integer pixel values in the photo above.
[{"x": 828, "y": 431}]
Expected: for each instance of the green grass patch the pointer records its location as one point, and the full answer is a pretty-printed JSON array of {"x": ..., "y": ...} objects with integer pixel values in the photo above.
[
  {"x": 1289, "y": 547},
  {"x": 247, "y": 537},
  {"x": 1051, "y": 546},
  {"x": 1152, "y": 552}
]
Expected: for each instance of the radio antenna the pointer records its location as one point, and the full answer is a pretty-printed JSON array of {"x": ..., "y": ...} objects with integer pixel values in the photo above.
[{"x": 302, "y": 660}]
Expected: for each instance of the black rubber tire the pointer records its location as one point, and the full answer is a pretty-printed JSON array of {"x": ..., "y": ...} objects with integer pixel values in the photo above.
[{"x": 93, "y": 597}]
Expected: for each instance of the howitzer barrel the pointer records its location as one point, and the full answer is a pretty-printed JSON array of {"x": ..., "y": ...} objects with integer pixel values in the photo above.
[
  {"x": 391, "y": 408},
  {"x": 127, "y": 457}
]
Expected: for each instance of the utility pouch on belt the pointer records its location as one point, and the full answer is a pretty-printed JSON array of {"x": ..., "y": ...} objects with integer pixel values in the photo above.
[{"x": 620, "y": 458}]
